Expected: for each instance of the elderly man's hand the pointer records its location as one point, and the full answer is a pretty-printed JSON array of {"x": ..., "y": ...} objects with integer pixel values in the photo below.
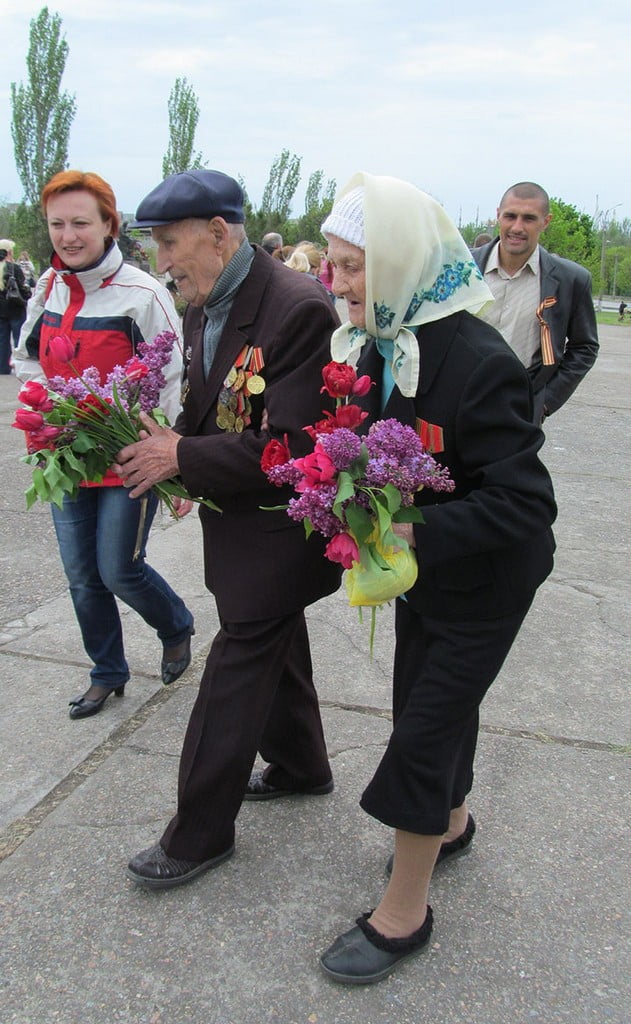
[{"x": 150, "y": 460}]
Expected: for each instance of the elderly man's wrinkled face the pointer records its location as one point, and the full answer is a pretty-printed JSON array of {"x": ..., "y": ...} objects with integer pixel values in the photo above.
[
  {"x": 190, "y": 251},
  {"x": 349, "y": 279}
]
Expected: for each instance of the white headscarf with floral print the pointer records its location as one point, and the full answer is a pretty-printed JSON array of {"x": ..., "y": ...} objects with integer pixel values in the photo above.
[{"x": 418, "y": 269}]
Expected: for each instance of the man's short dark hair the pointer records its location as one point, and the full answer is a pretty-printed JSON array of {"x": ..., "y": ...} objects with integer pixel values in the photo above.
[{"x": 528, "y": 190}]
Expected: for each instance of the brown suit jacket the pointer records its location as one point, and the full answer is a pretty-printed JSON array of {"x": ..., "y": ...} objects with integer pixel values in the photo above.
[{"x": 258, "y": 563}]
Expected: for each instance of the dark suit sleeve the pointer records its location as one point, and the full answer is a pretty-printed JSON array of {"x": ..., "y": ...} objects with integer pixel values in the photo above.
[
  {"x": 229, "y": 462},
  {"x": 507, "y": 492},
  {"x": 581, "y": 346}
]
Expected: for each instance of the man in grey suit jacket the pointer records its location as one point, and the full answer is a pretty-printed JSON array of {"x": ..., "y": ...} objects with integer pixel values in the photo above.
[{"x": 543, "y": 303}]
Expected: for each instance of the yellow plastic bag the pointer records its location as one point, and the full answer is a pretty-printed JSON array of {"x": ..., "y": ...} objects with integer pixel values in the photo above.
[{"x": 374, "y": 581}]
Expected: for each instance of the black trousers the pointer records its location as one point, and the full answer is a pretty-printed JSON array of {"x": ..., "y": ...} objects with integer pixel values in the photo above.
[
  {"x": 256, "y": 693},
  {"x": 442, "y": 671}
]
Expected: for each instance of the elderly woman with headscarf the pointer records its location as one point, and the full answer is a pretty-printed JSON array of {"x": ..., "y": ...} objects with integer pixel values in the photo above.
[{"x": 411, "y": 288}]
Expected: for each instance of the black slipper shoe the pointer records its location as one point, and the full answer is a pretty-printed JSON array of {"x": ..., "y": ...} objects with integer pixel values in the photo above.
[{"x": 363, "y": 955}]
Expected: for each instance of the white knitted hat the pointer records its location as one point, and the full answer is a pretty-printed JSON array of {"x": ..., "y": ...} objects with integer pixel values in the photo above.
[{"x": 346, "y": 219}]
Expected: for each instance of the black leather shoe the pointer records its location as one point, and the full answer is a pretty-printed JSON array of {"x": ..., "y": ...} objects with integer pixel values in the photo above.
[
  {"x": 456, "y": 848},
  {"x": 363, "y": 956},
  {"x": 258, "y": 789},
  {"x": 175, "y": 660},
  {"x": 154, "y": 869},
  {"x": 82, "y": 707}
]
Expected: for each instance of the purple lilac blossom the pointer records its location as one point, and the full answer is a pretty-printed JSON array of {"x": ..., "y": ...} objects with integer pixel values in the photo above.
[
  {"x": 389, "y": 437},
  {"x": 78, "y": 387},
  {"x": 398, "y": 457},
  {"x": 146, "y": 391},
  {"x": 116, "y": 378},
  {"x": 316, "y": 506},
  {"x": 342, "y": 446},
  {"x": 155, "y": 356},
  {"x": 287, "y": 473}
]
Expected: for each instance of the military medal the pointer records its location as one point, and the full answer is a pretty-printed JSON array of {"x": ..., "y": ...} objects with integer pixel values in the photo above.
[
  {"x": 256, "y": 384},
  {"x": 234, "y": 409}
]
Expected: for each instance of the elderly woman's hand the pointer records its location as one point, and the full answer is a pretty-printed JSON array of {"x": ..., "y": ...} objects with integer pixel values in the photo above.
[{"x": 406, "y": 531}]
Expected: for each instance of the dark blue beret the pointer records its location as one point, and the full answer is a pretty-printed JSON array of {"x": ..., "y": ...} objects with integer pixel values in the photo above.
[{"x": 203, "y": 194}]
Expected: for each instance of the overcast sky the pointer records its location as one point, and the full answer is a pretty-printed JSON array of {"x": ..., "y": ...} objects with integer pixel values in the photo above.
[{"x": 461, "y": 99}]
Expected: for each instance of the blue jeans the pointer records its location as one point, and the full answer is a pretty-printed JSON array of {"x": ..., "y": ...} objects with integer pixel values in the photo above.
[
  {"x": 10, "y": 326},
  {"x": 97, "y": 535}
]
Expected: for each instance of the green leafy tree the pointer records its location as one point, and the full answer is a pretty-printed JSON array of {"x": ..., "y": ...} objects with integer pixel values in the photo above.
[
  {"x": 7, "y": 221},
  {"x": 318, "y": 202},
  {"x": 40, "y": 124},
  {"x": 571, "y": 234},
  {"x": 623, "y": 277},
  {"x": 318, "y": 193},
  {"x": 278, "y": 194},
  {"x": 183, "y": 119},
  {"x": 617, "y": 270},
  {"x": 614, "y": 244},
  {"x": 472, "y": 229},
  {"x": 619, "y": 232},
  {"x": 254, "y": 220}
]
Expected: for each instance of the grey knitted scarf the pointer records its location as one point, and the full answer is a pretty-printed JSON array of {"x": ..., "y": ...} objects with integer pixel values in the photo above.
[{"x": 219, "y": 302}]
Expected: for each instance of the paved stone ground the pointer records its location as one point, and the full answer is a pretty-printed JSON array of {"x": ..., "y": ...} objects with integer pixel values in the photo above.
[{"x": 531, "y": 927}]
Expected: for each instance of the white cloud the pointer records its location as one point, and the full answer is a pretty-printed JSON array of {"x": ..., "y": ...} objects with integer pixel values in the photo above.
[{"x": 461, "y": 104}]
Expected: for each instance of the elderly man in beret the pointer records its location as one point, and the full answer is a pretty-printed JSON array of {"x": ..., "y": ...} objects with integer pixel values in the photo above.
[{"x": 256, "y": 337}]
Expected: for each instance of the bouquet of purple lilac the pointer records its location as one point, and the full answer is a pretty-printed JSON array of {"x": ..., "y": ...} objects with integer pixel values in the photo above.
[
  {"x": 353, "y": 489},
  {"x": 137, "y": 383},
  {"x": 76, "y": 426}
]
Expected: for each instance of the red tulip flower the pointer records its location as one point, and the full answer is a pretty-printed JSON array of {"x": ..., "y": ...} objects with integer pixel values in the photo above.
[
  {"x": 136, "y": 369},
  {"x": 275, "y": 453},
  {"x": 362, "y": 386},
  {"x": 62, "y": 348},
  {"x": 28, "y": 419},
  {"x": 343, "y": 549},
  {"x": 338, "y": 380},
  {"x": 35, "y": 394},
  {"x": 317, "y": 470}
]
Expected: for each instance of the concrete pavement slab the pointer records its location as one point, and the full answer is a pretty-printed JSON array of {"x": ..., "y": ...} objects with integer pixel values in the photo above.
[
  {"x": 532, "y": 926},
  {"x": 528, "y": 927}
]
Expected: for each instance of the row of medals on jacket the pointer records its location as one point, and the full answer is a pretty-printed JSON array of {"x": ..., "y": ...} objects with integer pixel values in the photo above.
[{"x": 234, "y": 409}]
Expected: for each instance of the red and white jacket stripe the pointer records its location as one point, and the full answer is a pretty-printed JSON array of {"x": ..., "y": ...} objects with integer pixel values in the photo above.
[{"x": 108, "y": 309}]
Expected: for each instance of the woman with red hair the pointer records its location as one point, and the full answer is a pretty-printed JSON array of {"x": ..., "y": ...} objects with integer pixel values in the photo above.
[{"x": 106, "y": 308}]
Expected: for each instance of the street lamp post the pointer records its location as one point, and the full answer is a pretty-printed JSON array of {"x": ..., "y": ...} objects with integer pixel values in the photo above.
[{"x": 605, "y": 224}]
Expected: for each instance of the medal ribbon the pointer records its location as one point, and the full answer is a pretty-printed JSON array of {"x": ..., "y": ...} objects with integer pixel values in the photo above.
[{"x": 547, "y": 353}]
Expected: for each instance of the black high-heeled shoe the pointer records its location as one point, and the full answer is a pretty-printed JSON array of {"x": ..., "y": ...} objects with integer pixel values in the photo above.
[
  {"x": 175, "y": 660},
  {"x": 83, "y": 707}
]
